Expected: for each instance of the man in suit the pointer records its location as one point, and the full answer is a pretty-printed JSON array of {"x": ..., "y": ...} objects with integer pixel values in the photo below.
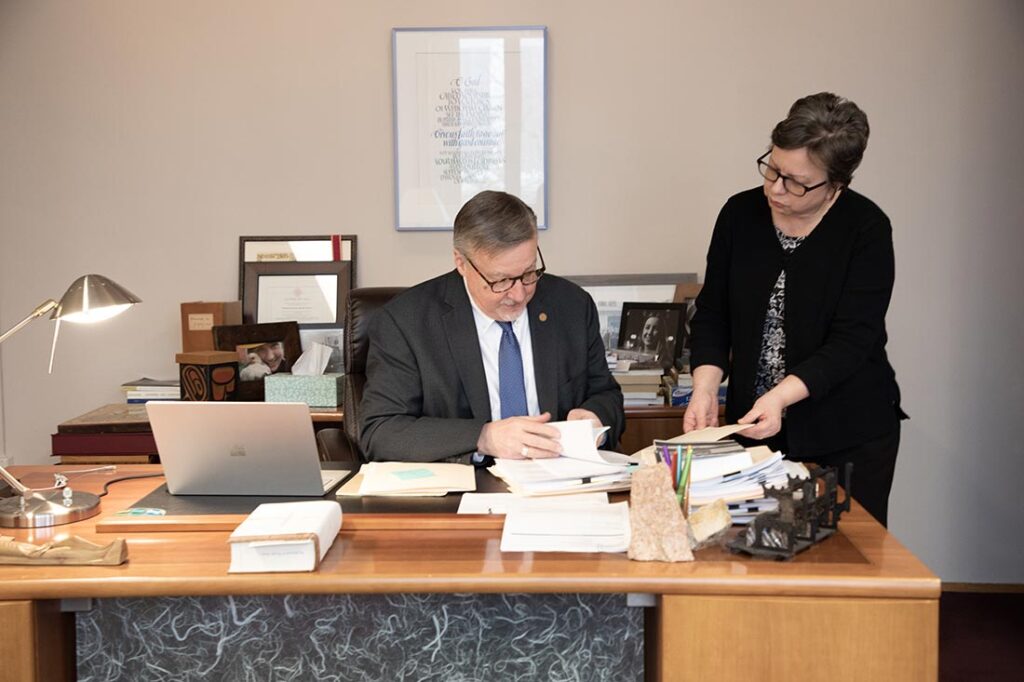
[{"x": 475, "y": 362}]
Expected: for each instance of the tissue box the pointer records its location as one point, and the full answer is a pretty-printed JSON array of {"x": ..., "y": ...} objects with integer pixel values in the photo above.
[{"x": 323, "y": 390}]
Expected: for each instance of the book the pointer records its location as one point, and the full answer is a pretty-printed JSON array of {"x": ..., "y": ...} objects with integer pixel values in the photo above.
[
  {"x": 284, "y": 537},
  {"x": 103, "y": 444},
  {"x": 145, "y": 383},
  {"x": 112, "y": 418}
]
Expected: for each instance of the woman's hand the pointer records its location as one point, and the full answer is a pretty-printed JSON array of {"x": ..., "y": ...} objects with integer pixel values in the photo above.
[
  {"x": 767, "y": 410},
  {"x": 702, "y": 410},
  {"x": 766, "y": 414}
]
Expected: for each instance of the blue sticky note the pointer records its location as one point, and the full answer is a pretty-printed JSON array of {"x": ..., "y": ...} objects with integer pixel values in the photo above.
[{"x": 411, "y": 474}]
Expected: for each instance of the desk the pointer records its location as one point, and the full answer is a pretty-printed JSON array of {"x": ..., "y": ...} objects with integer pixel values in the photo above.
[{"x": 859, "y": 599}]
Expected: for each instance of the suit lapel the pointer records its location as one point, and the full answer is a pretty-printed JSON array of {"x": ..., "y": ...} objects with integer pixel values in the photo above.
[
  {"x": 544, "y": 340},
  {"x": 464, "y": 345}
]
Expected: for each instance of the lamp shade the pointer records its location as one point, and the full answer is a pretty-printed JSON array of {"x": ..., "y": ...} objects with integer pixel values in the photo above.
[{"x": 91, "y": 298}]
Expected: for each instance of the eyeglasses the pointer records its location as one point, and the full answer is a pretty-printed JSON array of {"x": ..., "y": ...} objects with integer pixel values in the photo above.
[
  {"x": 772, "y": 174},
  {"x": 502, "y": 285}
]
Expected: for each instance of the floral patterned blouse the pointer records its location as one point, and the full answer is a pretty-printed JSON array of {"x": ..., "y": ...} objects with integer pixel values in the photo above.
[{"x": 771, "y": 368}]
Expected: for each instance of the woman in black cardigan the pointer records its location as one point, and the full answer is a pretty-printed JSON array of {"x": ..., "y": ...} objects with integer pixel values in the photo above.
[{"x": 799, "y": 277}]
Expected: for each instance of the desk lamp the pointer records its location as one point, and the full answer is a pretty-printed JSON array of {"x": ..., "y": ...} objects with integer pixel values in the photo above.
[{"x": 90, "y": 298}]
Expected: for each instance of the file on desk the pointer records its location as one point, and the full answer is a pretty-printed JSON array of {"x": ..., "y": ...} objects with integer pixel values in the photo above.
[
  {"x": 593, "y": 529},
  {"x": 284, "y": 536}
]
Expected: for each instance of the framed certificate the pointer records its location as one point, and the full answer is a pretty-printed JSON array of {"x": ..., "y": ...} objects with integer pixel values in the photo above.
[
  {"x": 470, "y": 111},
  {"x": 311, "y": 294},
  {"x": 296, "y": 249}
]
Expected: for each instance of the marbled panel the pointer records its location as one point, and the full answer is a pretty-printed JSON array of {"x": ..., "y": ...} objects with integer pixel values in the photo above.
[{"x": 363, "y": 637}]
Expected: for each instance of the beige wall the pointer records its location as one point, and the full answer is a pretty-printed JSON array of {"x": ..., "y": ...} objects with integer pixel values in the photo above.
[{"x": 140, "y": 139}]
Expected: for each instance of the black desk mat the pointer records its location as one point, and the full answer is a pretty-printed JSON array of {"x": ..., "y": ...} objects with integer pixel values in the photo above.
[{"x": 194, "y": 505}]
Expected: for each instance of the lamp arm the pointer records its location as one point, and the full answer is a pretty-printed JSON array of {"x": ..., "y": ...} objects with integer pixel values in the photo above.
[
  {"x": 13, "y": 482},
  {"x": 43, "y": 308}
]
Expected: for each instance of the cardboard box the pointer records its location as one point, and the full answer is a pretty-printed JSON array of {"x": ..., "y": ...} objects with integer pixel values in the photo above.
[
  {"x": 324, "y": 390},
  {"x": 198, "y": 318}
]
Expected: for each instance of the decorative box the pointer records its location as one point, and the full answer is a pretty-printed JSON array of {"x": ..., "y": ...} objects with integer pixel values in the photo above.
[
  {"x": 322, "y": 390},
  {"x": 207, "y": 374}
]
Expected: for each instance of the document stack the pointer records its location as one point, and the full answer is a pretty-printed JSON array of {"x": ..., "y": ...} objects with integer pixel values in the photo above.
[
  {"x": 736, "y": 476},
  {"x": 581, "y": 468}
]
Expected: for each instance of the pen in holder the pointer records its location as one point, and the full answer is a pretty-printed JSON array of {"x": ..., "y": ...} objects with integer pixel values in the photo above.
[{"x": 678, "y": 459}]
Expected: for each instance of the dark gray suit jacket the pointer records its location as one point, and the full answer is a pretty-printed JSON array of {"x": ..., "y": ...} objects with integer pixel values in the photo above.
[{"x": 426, "y": 391}]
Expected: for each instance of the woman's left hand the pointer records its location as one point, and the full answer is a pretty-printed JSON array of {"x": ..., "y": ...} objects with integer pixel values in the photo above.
[{"x": 766, "y": 414}]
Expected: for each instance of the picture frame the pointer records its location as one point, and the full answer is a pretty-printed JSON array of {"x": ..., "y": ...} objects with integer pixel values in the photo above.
[
  {"x": 312, "y": 294},
  {"x": 470, "y": 114},
  {"x": 611, "y": 291},
  {"x": 251, "y": 336},
  {"x": 655, "y": 332},
  {"x": 296, "y": 248}
]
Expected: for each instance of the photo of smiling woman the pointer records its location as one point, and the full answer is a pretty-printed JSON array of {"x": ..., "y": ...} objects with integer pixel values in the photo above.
[{"x": 799, "y": 275}]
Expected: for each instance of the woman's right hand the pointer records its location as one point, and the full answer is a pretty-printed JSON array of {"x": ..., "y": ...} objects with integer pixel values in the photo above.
[{"x": 702, "y": 410}]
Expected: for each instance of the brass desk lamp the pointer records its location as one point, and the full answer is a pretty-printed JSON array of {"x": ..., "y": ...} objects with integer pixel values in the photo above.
[{"x": 90, "y": 298}]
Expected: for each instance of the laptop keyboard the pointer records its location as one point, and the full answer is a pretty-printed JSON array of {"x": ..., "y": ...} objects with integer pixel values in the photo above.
[{"x": 331, "y": 477}]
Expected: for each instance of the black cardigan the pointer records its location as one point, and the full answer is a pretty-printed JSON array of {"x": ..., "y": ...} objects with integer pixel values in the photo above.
[{"x": 838, "y": 285}]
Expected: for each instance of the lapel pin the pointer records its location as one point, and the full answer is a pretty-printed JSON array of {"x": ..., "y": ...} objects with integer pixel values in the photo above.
[{"x": 543, "y": 317}]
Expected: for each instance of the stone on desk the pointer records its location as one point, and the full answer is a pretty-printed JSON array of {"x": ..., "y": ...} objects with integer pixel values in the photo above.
[
  {"x": 658, "y": 530},
  {"x": 709, "y": 524}
]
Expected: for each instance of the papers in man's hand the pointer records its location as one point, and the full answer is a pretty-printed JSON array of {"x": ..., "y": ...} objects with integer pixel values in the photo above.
[
  {"x": 582, "y": 467},
  {"x": 284, "y": 536},
  {"x": 410, "y": 479},
  {"x": 590, "y": 529},
  {"x": 502, "y": 503}
]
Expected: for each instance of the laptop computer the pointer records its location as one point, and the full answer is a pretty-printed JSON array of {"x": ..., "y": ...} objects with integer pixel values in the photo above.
[{"x": 229, "y": 448}]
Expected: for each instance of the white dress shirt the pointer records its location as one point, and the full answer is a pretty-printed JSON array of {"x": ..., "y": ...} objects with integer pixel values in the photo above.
[{"x": 488, "y": 334}]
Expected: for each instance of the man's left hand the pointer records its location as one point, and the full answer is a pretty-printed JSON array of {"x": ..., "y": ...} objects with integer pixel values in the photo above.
[{"x": 580, "y": 413}]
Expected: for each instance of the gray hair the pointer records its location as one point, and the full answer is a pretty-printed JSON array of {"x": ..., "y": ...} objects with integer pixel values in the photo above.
[
  {"x": 493, "y": 221},
  {"x": 833, "y": 129}
]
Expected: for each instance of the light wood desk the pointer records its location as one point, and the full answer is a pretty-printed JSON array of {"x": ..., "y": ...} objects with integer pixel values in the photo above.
[{"x": 860, "y": 598}]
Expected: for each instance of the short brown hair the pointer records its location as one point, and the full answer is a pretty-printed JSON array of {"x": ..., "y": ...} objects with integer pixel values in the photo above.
[
  {"x": 833, "y": 129},
  {"x": 493, "y": 221}
]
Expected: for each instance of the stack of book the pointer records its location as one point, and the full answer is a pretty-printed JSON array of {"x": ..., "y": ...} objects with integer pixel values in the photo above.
[
  {"x": 146, "y": 389},
  {"x": 640, "y": 387},
  {"x": 112, "y": 434}
]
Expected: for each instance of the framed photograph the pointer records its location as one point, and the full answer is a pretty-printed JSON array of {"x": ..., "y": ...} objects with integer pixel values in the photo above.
[
  {"x": 653, "y": 332},
  {"x": 333, "y": 339},
  {"x": 469, "y": 115},
  {"x": 292, "y": 249},
  {"x": 611, "y": 291},
  {"x": 312, "y": 294},
  {"x": 262, "y": 349}
]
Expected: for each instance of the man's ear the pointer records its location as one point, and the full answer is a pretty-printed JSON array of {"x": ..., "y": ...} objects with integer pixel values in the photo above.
[{"x": 460, "y": 262}]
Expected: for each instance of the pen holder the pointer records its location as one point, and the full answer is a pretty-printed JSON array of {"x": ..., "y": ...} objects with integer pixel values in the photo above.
[{"x": 659, "y": 532}]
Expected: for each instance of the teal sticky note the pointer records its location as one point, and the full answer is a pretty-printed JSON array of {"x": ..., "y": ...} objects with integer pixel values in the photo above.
[{"x": 411, "y": 474}]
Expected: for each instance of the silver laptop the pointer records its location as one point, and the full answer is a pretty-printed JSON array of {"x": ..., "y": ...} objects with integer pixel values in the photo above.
[{"x": 226, "y": 448}]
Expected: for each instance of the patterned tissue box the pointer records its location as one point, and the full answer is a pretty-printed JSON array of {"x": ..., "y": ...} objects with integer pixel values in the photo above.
[{"x": 323, "y": 390}]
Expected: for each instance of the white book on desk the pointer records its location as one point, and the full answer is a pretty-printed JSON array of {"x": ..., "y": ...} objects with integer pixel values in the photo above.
[{"x": 284, "y": 537}]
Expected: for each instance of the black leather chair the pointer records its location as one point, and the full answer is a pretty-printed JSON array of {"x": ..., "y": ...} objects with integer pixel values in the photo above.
[{"x": 360, "y": 308}]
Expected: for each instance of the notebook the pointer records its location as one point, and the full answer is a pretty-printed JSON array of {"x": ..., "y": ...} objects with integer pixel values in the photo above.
[{"x": 236, "y": 448}]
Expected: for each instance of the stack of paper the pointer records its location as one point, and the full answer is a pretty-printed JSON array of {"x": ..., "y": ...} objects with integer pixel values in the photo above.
[
  {"x": 588, "y": 529},
  {"x": 410, "y": 479},
  {"x": 284, "y": 536},
  {"x": 581, "y": 468},
  {"x": 739, "y": 481}
]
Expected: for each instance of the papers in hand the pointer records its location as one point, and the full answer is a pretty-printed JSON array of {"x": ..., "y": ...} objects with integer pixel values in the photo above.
[
  {"x": 284, "y": 536},
  {"x": 410, "y": 479},
  {"x": 589, "y": 529}
]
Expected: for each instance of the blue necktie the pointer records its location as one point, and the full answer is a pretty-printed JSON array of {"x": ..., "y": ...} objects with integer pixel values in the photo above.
[{"x": 511, "y": 386}]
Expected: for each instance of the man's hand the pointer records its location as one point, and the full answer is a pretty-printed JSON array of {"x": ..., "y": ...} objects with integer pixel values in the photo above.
[
  {"x": 580, "y": 413},
  {"x": 520, "y": 438}
]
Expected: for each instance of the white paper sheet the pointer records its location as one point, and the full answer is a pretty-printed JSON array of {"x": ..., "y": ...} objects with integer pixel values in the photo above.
[
  {"x": 570, "y": 530},
  {"x": 502, "y": 503}
]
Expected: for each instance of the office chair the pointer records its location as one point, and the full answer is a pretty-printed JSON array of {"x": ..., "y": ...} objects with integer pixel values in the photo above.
[{"x": 360, "y": 308}]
